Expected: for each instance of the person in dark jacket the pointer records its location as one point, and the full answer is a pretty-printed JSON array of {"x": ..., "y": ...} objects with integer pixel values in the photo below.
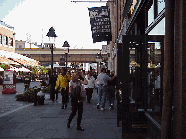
[
  {"x": 94, "y": 75},
  {"x": 43, "y": 82},
  {"x": 27, "y": 81},
  {"x": 75, "y": 88},
  {"x": 111, "y": 90},
  {"x": 54, "y": 91}
]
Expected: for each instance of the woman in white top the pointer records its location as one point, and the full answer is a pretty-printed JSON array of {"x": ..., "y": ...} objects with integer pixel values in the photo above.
[
  {"x": 91, "y": 85},
  {"x": 75, "y": 88}
]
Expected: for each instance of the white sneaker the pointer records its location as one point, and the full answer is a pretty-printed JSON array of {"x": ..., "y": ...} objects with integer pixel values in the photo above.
[
  {"x": 111, "y": 107},
  {"x": 102, "y": 109}
]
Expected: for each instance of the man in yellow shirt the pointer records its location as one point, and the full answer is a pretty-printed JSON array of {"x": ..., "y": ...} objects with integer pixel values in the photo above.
[{"x": 63, "y": 84}]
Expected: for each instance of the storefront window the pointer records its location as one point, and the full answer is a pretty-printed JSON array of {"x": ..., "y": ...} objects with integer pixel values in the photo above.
[
  {"x": 0, "y": 39},
  {"x": 10, "y": 42},
  {"x": 161, "y": 5},
  {"x": 4, "y": 40},
  {"x": 154, "y": 80},
  {"x": 151, "y": 15},
  {"x": 159, "y": 29}
]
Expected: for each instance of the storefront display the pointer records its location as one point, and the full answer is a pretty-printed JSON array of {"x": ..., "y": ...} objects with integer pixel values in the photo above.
[{"x": 144, "y": 34}]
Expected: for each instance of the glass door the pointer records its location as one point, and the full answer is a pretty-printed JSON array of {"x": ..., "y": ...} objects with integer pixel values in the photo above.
[{"x": 140, "y": 76}]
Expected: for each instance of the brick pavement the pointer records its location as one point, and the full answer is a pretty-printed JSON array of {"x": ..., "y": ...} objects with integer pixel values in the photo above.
[{"x": 49, "y": 121}]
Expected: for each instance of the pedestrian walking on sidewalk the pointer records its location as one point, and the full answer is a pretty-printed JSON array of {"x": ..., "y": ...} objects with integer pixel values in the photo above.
[
  {"x": 95, "y": 76},
  {"x": 111, "y": 90},
  {"x": 108, "y": 73},
  {"x": 62, "y": 82},
  {"x": 102, "y": 78},
  {"x": 68, "y": 74},
  {"x": 52, "y": 83},
  {"x": 90, "y": 86},
  {"x": 43, "y": 83},
  {"x": 75, "y": 89},
  {"x": 27, "y": 80},
  {"x": 54, "y": 79}
]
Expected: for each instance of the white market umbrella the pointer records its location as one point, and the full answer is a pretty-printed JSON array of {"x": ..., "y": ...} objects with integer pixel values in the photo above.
[
  {"x": 14, "y": 68},
  {"x": 24, "y": 69},
  {"x": 1, "y": 69},
  {"x": 55, "y": 66}
]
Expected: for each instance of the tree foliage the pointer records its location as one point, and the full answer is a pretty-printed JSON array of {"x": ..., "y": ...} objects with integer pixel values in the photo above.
[
  {"x": 38, "y": 69},
  {"x": 3, "y": 65}
]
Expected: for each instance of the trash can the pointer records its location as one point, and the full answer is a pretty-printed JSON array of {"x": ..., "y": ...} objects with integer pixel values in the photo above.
[{"x": 40, "y": 97}]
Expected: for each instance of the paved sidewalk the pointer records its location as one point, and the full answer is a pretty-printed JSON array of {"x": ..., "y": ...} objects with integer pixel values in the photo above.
[
  {"x": 8, "y": 101},
  {"x": 49, "y": 121}
]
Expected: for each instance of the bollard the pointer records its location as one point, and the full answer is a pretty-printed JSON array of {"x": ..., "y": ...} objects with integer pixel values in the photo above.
[{"x": 35, "y": 96}]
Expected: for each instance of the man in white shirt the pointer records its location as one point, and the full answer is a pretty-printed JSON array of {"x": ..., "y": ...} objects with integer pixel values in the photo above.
[
  {"x": 102, "y": 79},
  {"x": 90, "y": 86}
]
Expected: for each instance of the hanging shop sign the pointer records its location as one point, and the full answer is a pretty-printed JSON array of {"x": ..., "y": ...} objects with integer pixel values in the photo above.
[{"x": 100, "y": 24}]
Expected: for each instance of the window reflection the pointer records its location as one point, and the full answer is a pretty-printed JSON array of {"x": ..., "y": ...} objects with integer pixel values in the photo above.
[
  {"x": 10, "y": 42},
  {"x": 0, "y": 39},
  {"x": 151, "y": 15},
  {"x": 159, "y": 29},
  {"x": 4, "y": 40},
  {"x": 154, "y": 77},
  {"x": 161, "y": 5}
]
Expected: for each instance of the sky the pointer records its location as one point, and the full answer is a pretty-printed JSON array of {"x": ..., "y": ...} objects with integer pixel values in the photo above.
[{"x": 35, "y": 17}]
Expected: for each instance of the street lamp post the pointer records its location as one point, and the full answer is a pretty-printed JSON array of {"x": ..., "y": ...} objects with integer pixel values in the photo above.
[
  {"x": 52, "y": 34},
  {"x": 99, "y": 60},
  {"x": 66, "y": 61},
  {"x": 66, "y": 45}
]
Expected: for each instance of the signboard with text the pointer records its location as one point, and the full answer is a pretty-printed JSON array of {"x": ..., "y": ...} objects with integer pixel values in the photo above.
[
  {"x": 9, "y": 86},
  {"x": 100, "y": 24},
  {"x": 8, "y": 77}
]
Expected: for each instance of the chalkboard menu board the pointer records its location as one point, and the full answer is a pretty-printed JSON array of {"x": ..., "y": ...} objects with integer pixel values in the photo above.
[{"x": 100, "y": 24}]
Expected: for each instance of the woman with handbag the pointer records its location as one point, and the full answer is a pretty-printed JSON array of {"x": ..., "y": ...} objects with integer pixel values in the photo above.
[{"x": 75, "y": 89}]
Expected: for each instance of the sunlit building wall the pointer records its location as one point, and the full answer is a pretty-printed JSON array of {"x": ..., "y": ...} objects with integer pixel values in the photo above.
[{"x": 7, "y": 37}]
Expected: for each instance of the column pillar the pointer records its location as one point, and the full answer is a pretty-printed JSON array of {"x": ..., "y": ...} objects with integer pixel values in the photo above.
[
  {"x": 168, "y": 79},
  {"x": 179, "y": 120}
]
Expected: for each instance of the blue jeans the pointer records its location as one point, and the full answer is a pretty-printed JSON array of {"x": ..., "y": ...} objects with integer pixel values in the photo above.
[
  {"x": 102, "y": 91},
  {"x": 111, "y": 94}
]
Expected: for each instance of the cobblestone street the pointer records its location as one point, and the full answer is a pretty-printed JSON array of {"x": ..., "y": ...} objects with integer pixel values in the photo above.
[{"x": 8, "y": 101}]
